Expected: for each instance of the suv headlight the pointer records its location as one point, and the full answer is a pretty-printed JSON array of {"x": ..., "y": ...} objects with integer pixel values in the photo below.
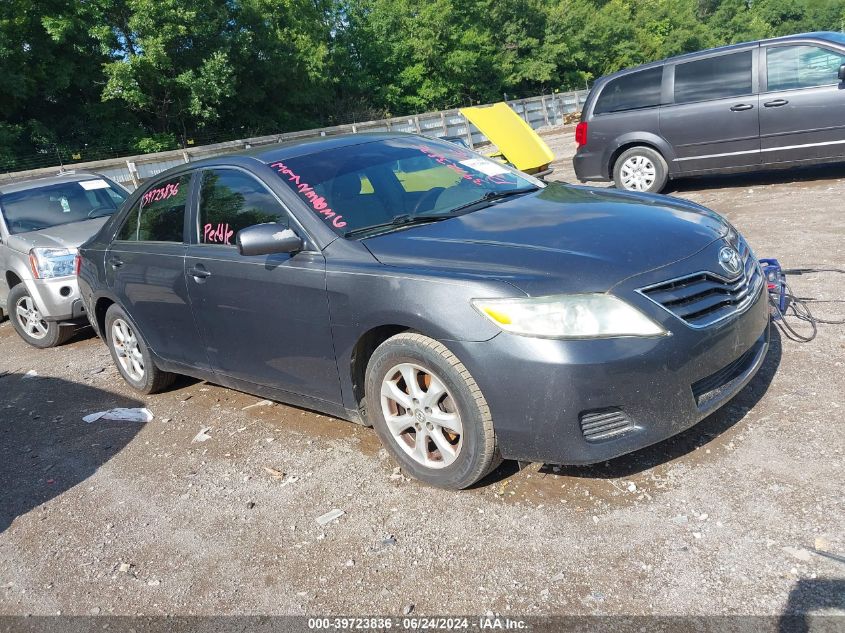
[
  {"x": 52, "y": 262},
  {"x": 568, "y": 316}
]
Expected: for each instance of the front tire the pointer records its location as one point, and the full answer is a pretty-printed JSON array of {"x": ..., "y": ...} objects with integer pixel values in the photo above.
[
  {"x": 131, "y": 354},
  {"x": 30, "y": 324},
  {"x": 429, "y": 413},
  {"x": 640, "y": 169}
]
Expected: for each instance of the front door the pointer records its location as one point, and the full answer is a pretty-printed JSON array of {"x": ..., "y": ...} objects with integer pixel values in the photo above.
[
  {"x": 802, "y": 111},
  {"x": 264, "y": 319},
  {"x": 145, "y": 266},
  {"x": 712, "y": 119}
]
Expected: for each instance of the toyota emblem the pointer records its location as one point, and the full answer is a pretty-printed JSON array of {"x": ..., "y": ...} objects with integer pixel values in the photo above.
[{"x": 729, "y": 260}]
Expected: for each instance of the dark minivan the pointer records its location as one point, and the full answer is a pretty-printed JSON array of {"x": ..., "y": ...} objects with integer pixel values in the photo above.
[{"x": 772, "y": 103}]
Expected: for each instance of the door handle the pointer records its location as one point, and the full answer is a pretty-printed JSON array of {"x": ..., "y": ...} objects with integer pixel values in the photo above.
[
  {"x": 199, "y": 273},
  {"x": 115, "y": 262},
  {"x": 740, "y": 107},
  {"x": 776, "y": 103}
]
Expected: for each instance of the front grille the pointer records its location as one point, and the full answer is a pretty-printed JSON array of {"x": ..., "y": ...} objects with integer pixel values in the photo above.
[
  {"x": 705, "y": 298},
  {"x": 606, "y": 424},
  {"x": 711, "y": 388}
]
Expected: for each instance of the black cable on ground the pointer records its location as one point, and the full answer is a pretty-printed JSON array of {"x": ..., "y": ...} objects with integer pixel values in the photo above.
[{"x": 796, "y": 307}]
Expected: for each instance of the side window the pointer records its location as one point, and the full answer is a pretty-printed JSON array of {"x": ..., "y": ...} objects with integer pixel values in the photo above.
[
  {"x": 163, "y": 211},
  {"x": 232, "y": 200},
  {"x": 631, "y": 92},
  {"x": 791, "y": 67},
  {"x": 129, "y": 231},
  {"x": 714, "y": 78}
]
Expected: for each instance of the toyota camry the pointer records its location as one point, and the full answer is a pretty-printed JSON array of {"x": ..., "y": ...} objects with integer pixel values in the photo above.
[{"x": 466, "y": 311}]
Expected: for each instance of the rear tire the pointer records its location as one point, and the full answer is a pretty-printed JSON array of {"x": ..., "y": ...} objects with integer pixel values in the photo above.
[
  {"x": 29, "y": 323},
  {"x": 429, "y": 412},
  {"x": 131, "y": 355},
  {"x": 640, "y": 169}
]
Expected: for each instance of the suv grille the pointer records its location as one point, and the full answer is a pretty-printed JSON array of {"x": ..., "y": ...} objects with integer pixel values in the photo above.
[{"x": 705, "y": 298}]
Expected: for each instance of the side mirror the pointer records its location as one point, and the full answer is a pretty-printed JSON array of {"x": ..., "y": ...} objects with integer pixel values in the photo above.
[
  {"x": 267, "y": 239},
  {"x": 842, "y": 72}
]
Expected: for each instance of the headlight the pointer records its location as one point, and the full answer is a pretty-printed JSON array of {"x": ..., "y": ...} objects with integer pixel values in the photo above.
[
  {"x": 52, "y": 262},
  {"x": 568, "y": 316}
]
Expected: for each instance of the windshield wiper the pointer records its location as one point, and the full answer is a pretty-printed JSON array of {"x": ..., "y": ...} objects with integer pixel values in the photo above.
[
  {"x": 490, "y": 196},
  {"x": 399, "y": 221}
]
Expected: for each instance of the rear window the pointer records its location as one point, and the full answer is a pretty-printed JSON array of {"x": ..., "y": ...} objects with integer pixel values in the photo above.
[
  {"x": 45, "y": 207},
  {"x": 631, "y": 92},
  {"x": 714, "y": 78}
]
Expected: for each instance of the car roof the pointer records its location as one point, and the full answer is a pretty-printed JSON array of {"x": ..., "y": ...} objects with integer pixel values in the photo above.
[
  {"x": 36, "y": 183},
  {"x": 320, "y": 144},
  {"x": 830, "y": 36}
]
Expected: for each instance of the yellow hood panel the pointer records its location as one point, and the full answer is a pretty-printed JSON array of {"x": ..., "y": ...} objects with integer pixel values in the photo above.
[{"x": 518, "y": 143}]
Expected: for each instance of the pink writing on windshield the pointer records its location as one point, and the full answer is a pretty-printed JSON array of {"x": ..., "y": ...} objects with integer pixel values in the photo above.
[
  {"x": 459, "y": 169},
  {"x": 161, "y": 193},
  {"x": 220, "y": 234},
  {"x": 318, "y": 202}
]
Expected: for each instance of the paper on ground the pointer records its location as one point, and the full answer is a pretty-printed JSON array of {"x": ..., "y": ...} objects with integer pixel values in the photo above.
[{"x": 121, "y": 414}]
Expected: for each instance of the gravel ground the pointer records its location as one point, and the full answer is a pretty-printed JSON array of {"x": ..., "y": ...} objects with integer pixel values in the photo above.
[{"x": 743, "y": 514}]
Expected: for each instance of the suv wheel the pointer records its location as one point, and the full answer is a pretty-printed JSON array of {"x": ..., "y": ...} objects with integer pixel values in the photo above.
[
  {"x": 429, "y": 413},
  {"x": 640, "y": 169},
  {"x": 30, "y": 324},
  {"x": 131, "y": 354}
]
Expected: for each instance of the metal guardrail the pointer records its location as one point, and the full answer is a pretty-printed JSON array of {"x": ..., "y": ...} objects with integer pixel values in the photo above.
[{"x": 544, "y": 111}]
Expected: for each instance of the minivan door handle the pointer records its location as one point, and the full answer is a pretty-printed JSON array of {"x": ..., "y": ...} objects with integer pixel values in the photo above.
[
  {"x": 740, "y": 107},
  {"x": 115, "y": 262},
  {"x": 776, "y": 103}
]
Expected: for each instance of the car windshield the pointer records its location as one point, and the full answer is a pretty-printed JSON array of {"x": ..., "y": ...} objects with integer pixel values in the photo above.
[
  {"x": 399, "y": 181},
  {"x": 44, "y": 207}
]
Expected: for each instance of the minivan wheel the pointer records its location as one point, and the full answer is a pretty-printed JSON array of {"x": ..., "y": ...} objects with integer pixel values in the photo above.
[
  {"x": 30, "y": 324},
  {"x": 640, "y": 169},
  {"x": 429, "y": 413},
  {"x": 131, "y": 354}
]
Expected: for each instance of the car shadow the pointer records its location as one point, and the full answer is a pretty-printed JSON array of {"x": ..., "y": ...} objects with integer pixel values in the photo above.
[
  {"x": 810, "y": 173},
  {"x": 810, "y": 595},
  {"x": 674, "y": 447},
  {"x": 45, "y": 446}
]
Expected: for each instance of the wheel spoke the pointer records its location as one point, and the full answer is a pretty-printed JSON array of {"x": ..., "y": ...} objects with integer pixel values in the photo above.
[
  {"x": 410, "y": 375},
  {"x": 449, "y": 421},
  {"x": 447, "y": 451},
  {"x": 420, "y": 451},
  {"x": 397, "y": 424},
  {"x": 40, "y": 327},
  {"x": 434, "y": 393},
  {"x": 391, "y": 390},
  {"x": 21, "y": 310}
]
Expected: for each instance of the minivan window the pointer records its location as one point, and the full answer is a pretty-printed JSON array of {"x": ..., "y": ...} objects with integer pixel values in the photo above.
[
  {"x": 714, "y": 78},
  {"x": 791, "y": 67},
  {"x": 231, "y": 200},
  {"x": 631, "y": 92},
  {"x": 44, "y": 207},
  {"x": 159, "y": 216}
]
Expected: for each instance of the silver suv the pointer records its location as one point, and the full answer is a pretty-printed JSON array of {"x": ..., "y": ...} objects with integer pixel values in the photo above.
[
  {"x": 772, "y": 103},
  {"x": 42, "y": 222}
]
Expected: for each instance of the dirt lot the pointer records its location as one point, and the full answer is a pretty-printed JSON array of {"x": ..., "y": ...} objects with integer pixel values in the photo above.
[{"x": 743, "y": 514}]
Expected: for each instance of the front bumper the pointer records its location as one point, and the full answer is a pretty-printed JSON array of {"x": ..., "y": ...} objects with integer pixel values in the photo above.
[
  {"x": 57, "y": 299},
  {"x": 546, "y": 395}
]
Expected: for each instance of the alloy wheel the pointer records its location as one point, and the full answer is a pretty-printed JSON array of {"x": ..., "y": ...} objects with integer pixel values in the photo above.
[
  {"x": 125, "y": 344},
  {"x": 30, "y": 319},
  {"x": 421, "y": 415}
]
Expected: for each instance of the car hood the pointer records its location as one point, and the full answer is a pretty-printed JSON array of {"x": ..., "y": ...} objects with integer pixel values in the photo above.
[
  {"x": 70, "y": 235},
  {"x": 561, "y": 239}
]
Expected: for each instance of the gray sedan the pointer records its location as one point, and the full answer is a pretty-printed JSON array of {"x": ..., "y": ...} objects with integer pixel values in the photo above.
[{"x": 466, "y": 311}]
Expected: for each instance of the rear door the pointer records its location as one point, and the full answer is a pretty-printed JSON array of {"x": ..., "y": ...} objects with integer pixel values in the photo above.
[
  {"x": 712, "y": 114},
  {"x": 264, "y": 319},
  {"x": 145, "y": 268},
  {"x": 802, "y": 115}
]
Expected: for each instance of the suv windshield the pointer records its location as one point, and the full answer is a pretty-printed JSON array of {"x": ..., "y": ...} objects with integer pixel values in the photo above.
[
  {"x": 44, "y": 207},
  {"x": 396, "y": 182}
]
